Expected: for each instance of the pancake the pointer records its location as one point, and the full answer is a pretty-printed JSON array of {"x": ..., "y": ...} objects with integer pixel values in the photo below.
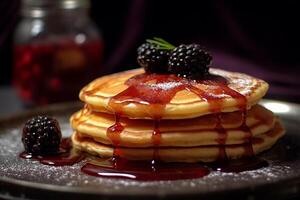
[
  {"x": 188, "y": 154},
  {"x": 175, "y": 133},
  {"x": 136, "y": 95}
]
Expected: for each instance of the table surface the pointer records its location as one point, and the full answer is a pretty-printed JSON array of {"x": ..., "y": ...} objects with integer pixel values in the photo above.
[{"x": 10, "y": 102}]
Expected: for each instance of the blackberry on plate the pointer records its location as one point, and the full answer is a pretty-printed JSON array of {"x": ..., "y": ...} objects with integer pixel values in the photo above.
[
  {"x": 41, "y": 135},
  {"x": 189, "y": 61},
  {"x": 153, "y": 55}
]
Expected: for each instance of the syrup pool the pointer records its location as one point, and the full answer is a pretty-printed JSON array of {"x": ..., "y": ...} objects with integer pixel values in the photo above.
[
  {"x": 144, "y": 170},
  {"x": 65, "y": 156}
]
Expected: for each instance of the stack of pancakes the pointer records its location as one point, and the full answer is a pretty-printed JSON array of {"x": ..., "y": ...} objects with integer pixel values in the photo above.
[{"x": 141, "y": 116}]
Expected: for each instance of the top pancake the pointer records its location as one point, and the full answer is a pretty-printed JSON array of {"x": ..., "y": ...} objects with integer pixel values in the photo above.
[{"x": 136, "y": 95}]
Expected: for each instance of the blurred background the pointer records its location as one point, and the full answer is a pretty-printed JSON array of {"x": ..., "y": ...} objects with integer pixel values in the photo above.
[{"x": 49, "y": 48}]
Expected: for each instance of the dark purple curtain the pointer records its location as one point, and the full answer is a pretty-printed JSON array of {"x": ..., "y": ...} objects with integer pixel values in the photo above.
[{"x": 8, "y": 20}]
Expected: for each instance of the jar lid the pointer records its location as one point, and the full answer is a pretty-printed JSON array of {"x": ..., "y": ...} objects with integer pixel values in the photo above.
[{"x": 40, "y": 8}]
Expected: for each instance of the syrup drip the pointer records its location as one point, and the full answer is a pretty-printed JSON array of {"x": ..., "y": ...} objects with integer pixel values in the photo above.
[
  {"x": 156, "y": 138},
  {"x": 156, "y": 135},
  {"x": 114, "y": 131},
  {"x": 66, "y": 156},
  {"x": 222, "y": 138},
  {"x": 248, "y": 137}
]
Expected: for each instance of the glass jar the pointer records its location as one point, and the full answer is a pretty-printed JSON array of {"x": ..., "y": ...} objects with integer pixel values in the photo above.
[{"x": 57, "y": 50}]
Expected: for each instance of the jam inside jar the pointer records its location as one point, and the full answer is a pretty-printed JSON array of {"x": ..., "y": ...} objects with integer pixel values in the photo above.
[{"x": 47, "y": 73}]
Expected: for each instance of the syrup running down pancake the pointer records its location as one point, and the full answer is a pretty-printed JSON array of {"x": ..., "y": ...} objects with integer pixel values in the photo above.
[
  {"x": 139, "y": 116},
  {"x": 181, "y": 133},
  {"x": 178, "y": 154},
  {"x": 135, "y": 94}
]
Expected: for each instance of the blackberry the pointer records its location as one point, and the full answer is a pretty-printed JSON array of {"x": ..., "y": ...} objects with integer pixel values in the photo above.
[
  {"x": 153, "y": 55},
  {"x": 41, "y": 135},
  {"x": 189, "y": 61},
  {"x": 152, "y": 59}
]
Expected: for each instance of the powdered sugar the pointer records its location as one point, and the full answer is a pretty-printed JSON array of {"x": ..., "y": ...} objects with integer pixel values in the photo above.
[{"x": 283, "y": 159}]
